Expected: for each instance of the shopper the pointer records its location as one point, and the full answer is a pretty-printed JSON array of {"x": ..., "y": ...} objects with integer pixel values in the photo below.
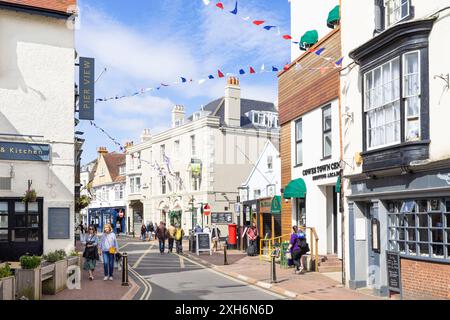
[
  {"x": 172, "y": 230},
  {"x": 252, "y": 234},
  {"x": 161, "y": 234},
  {"x": 215, "y": 235},
  {"x": 108, "y": 248},
  {"x": 90, "y": 253},
  {"x": 298, "y": 247},
  {"x": 179, "y": 234},
  {"x": 152, "y": 231},
  {"x": 143, "y": 231},
  {"x": 118, "y": 227}
]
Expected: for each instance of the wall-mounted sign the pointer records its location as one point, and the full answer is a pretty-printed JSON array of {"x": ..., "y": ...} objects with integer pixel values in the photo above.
[
  {"x": 24, "y": 151},
  {"x": 87, "y": 88},
  {"x": 221, "y": 218},
  {"x": 393, "y": 271},
  {"x": 58, "y": 223},
  {"x": 323, "y": 172}
]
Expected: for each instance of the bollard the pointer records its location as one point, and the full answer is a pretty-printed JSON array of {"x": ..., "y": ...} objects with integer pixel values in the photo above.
[
  {"x": 225, "y": 261},
  {"x": 273, "y": 276},
  {"x": 125, "y": 269}
]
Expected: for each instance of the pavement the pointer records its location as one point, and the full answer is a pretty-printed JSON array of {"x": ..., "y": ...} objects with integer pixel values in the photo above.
[{"x": 307, "y": 286}]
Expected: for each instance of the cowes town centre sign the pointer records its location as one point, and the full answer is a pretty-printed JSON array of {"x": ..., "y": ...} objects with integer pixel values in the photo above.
[{"x": 24, "y": 151}]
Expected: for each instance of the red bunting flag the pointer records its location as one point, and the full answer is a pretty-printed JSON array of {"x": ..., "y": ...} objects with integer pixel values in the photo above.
[
  {"x": 220, "y": 74},
  {"x": 287, "y": 37},
  {"x": 220, "y": 5},
  {"x": 286, "y": 67},
  {"x": 252, "y": 70},
  {"x": 258, "y": 22}
]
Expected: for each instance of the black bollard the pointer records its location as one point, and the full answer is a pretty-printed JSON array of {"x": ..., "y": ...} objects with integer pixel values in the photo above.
[
  {"x": 125, "y": 269},
  {"x": 273, "y": 276},
  {"x": 225, "y": 261}
]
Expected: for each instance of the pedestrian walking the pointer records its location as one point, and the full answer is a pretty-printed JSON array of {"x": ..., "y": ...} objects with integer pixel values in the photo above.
[
  {"x": 143, "y": 231},
  {"x": 252, "y": 235},
  {"x": 152, "y": 231},
  {"x": 298, "y": 248},
  {"x": 215, "y": 235},
  {"x": 108, "y": 249},
  {"x": 118, "y": 227},
  {"x": 198, "y": 229},
  {"x": 90, "y": 253},
  {"x": 161, "y": 234},
  {"x": 206, "y": 230},
  {"x": 171, "y": 235},
  {"x": 179, "y": 234}
]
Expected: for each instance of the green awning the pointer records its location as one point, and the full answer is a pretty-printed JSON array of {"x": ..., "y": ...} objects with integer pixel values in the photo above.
[
  {"x": 333, "y": 17},
  {"x": 295, "y": 189},
  {"x": 276, "y": 205},
  {"x": 310, "y": 38},
  {"x": 338, "y": 185}
]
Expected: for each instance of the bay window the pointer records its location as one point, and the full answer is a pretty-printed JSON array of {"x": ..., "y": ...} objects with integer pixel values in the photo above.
[{"x": 386, "y": 104}]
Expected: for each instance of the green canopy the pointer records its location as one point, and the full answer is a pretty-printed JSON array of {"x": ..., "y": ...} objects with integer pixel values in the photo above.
[
  {"x": 276, "y": 205},
  {"x": 338, "y": 185},
  {"x": 333, "y": 17},
  {"x": 309, "y": 38},
  {"x": 295, "y": 189}
]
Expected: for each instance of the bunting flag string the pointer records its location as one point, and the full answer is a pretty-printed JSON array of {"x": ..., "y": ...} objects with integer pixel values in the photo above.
[{"x": 248, "y": 71}]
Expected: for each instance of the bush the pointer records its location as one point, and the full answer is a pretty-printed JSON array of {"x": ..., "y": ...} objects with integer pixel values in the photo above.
[
  {"x": 30, "y": 262},
  {"x": 5, "y": 271},
  {"x": 55, "y": 256},
  {"x": 74, "y": 253}
]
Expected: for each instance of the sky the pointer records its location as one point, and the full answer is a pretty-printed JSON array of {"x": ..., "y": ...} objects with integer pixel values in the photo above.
[{"x": 144, "y": 43}]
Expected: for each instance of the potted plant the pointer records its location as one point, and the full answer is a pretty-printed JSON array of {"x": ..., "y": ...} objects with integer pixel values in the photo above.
[
  {"x": 7, "y": 283},
  {"x": 56, "y": 283},
  {"x": 28, "y": 278},
  {"x": 74, "y": 258},
  {"x": 30, "y": 196}
]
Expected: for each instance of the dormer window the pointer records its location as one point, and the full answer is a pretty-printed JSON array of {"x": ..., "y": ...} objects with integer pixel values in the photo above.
[
  {"x": 396, "y": 10},
  {"x": 196, "y": 116},
  {"x": 122, "y": 170},
  {"x": 264, "y": 119}
]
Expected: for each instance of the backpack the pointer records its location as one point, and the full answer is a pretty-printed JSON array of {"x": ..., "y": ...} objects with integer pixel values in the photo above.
[
  {"x": 179, "y": 234},
  {"x": 303, "y": 245}
]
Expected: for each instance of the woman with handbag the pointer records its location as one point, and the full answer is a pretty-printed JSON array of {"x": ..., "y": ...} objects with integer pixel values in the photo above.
[
  {"x": 108, "y": 249},
  {"x": 90, "y": 253}
]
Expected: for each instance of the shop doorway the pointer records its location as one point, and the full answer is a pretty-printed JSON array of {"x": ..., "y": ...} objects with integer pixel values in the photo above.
[{"x": 373, "y": 279}]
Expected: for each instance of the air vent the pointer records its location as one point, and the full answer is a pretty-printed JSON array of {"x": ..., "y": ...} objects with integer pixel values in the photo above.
[{"x": 5, "y": 184}]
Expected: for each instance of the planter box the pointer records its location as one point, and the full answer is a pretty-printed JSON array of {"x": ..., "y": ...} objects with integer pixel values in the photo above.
[
  {"x": 57, "y": 282},
  {"x": 74, "y": 261},
  {"x": 8, "y": 288},
  {"x": 29, "y": 283}
]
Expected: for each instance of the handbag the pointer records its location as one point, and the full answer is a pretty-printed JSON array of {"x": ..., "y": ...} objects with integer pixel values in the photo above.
[
  {"x": 288, "y": 255},
  {"x": 112, "y": 250}
]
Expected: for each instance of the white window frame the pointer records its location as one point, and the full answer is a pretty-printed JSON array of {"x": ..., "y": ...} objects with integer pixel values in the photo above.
[
  {"x": 269, "y": 163},
  {"x": 193, "y": 146},
  {"x": 405, "y": 96},
  {"x": 368, "y": 109},
  {"x": 297, "y": 142},
  {"x": 399, "y": 8},
  {"x": 163, "y": 182}
]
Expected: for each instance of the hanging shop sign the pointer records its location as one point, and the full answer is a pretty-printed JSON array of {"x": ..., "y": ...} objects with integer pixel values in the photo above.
[
  {"x": 326, "y": 171},
  {"x": 87, "y": 88},
  {"x": 24, "y": 151}
]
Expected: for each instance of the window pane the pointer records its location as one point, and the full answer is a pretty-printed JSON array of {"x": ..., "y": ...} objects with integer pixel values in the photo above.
[
  {"x": 447, "y": 206},
  {"x": 19, "y": 207},
  {"x": 393, "y": 220},
  {"x": 412, "y": 248},
  {"x": 392, "y": 233},
  {"x": 21, "y": 221},
  {"x": 438, "y": 236},
  {"x": 3, "y": 235},
  {"x": 423, "y": 220},
  {"x": 411, "y": 220},
  {"x": 435, "y": 205},
  {"x": 402, "y": 247},
  {"x": 299, "y": 130},
  {"x": 33, "y": 221},
  {"x": 3, "y": 221},
  {"x": 3, "y": 207},
  {"x": 327, "y": 118},
  {"x": 438, "y": 250},
  {"x": 423, "y": 205},
  {"x": 423, "y": 235},
  {"x": 396, "y": 78},
  {"x": 33, "y": 207},
  {"x": 424, "y": 249},
  {"x": 299, "y": 153},
  {"x": 19, "y": 235},
  {"x": 327, "y": 145},
  {"x": 33, "y": 235},
  {"x": 436, "y": 220},
  {"x": 412, "y": 234},
  {"x": 408, "y": 206},
  {"x": 401, "y": 234},
  {"x": 393, "y": 246},
  {"x": 447, "y": 218}
]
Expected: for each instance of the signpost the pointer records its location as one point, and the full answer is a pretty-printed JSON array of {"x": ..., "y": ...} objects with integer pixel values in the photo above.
[
  {"x": 24, "y": 151},
  {"x": 87, "y": 88},
  {"x": 203, "y": 243}
]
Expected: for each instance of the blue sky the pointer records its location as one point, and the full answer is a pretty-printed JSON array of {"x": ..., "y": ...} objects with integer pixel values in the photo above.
[{"x": 143, "y": 43}]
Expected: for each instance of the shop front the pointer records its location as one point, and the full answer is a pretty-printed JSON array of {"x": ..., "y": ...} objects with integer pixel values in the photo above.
[
  {"x": 399, "y": 231},
  {"x": 247, "y": 218},
  {"x": 269, "y": 216},
  {"x": 99, "y": 217}
]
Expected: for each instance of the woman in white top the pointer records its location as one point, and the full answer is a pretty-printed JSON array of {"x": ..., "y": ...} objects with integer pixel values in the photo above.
[{"x": 108, "y": 249}]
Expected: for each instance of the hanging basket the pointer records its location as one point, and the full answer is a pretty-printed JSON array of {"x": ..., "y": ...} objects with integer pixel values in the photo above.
[{"x": 30, "y": 196}]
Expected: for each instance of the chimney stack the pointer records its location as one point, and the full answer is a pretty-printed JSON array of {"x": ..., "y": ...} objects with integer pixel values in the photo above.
[
  {"x": 233, "y": 103},
  {"x": 178, "y": 116},
  {"x": 102, "y": 150},
  {"x": 146, "y": 135}
]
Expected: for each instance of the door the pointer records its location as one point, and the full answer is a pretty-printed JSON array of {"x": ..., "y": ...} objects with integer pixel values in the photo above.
[
  {"x": 335, "y": 223},
  {"x": 20, "y": 228},
  {"x": 374, "y": 252}
]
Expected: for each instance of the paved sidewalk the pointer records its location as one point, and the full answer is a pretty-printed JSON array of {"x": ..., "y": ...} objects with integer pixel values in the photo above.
[{"x": 308, "y": 286}]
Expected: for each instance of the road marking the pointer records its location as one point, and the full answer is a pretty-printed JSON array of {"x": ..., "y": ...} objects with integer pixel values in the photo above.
[
  {"x": 142, "y": 257},
  {"x": 181, "y": 262},
  {"x": 290, "y": 294},
  {"x": 147, "y": 287},
  {"x": 243, "y": 277},
  {"x": 264, "y": 284},
  {"x": 236, "y": 280}
]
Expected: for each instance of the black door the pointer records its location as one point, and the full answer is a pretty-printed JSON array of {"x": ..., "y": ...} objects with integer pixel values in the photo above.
[{"x": 20, "y": 228}]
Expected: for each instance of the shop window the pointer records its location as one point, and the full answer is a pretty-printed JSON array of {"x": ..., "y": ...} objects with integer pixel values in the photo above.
[
  {"x": 396, "y": 11},
  {"x": 419, "y": 228},
  {"x": 3, "y": 221}
]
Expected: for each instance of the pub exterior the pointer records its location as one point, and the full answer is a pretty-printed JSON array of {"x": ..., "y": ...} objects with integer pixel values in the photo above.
[
  {"x": 36, "y": 128},
  {"x": 397, "y": 155}
]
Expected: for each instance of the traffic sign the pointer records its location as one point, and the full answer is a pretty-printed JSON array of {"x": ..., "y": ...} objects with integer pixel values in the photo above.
[{"x": 207, "y": 210}]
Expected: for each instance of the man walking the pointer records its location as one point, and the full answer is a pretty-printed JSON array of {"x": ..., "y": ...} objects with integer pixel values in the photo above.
[
  {"x": 172, "y": 231},
  {"x": 161, "y": 234},
  {"x": 179, "y": 234}
]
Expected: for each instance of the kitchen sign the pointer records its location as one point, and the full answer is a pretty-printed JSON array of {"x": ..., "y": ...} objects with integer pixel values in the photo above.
[
  {"x": 87, "y": 88},
  {"x": 24, "y": 151}
]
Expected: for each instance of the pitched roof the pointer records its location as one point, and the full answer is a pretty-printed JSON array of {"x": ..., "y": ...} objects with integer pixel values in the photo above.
[
  {"x": 113, "y": 162},
  {"x": 217, "y": 108}
]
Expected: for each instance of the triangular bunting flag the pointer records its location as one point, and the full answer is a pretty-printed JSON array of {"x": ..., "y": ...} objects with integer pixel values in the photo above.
[
  {"x": 287, "y": 37},
  {"x": 258, "y": 22},
  {"x": 320, "y": 51},
  {"x": 269, "y": 27},
  {"x": 241, "y": 71},
  {"x": 252, "y": 70},
  {"x": 275, "y": 69},
  {"x": 211, "y": 77},
  {"x": 220, "y": 5},
  {"x": 235, "y": 11},
  {"x": 220, "y": 74},
  {"x": 339, "y": 62},
  {"x": 183, "y": 80}
]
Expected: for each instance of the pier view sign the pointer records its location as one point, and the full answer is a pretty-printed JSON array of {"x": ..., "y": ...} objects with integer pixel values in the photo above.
[
  {"x": 87, "y": 88},
  {"x": 24, "y": 151}
]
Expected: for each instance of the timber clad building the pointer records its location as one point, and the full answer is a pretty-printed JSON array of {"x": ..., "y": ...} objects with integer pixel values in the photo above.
[{"x": 310, "y": 146}]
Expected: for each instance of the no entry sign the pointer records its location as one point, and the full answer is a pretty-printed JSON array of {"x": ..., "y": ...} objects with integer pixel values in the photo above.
[{"x": 207, "y": 210}]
